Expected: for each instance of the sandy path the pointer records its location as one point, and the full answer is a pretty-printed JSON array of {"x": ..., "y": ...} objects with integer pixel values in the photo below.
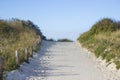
[{"x": 58, "y": 61}]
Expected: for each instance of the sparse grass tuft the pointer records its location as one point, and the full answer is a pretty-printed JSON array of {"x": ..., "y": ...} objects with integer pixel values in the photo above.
[{"x": 117, "y": 64}]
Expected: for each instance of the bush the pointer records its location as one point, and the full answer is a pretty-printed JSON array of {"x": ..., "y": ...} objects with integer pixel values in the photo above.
[
  {"x": 64, "y": 40},
  {"x": 50, "y": 39},
  {"x": 103, "y": 26},
  {"x": 117, "y": 64}
]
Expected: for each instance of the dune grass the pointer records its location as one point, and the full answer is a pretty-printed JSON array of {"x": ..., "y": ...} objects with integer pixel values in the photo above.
[
  {"x": 104, "y": 40},
  {"x": 15, "y": 35}
]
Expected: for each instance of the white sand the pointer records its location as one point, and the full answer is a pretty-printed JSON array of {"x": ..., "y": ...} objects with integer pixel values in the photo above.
[{"x": 60, "y": 61}]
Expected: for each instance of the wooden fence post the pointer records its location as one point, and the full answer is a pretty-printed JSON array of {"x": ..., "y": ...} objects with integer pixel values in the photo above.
[
  {"x": 39, "y": 39},
  {"x": 26, "y": 55},
  {"x": 34, "y": 45},
  {"x": 17, "y": 58},
  {"x": 31, "y": 51},
  {"x": 1, "y": 67}
]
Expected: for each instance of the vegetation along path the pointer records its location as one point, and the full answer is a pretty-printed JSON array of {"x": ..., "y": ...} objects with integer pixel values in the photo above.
[{"x": 58, "y": 61}]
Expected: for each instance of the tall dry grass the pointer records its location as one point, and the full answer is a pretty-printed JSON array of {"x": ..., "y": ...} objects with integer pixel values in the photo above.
[
  {"x": 15, "y": 35},
  {"x": 104, "y": 40}
]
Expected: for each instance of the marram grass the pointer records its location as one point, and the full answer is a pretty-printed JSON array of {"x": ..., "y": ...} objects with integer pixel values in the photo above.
[{"x": 104, "y": 40}]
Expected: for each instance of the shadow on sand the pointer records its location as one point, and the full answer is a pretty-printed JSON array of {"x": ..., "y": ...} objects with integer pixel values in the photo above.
[{"x": 40, "y": 66}]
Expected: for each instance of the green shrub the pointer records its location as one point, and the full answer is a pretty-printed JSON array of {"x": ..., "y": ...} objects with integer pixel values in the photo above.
[
  {"x": 117, "y": 64},
  {"x": 64, "y": 40},
  {"x": 99, "y": 50},
  {"x": 103, "y": 26},
  {"x": 50, "y": 39},
  {"x": 109, "y": 57}
]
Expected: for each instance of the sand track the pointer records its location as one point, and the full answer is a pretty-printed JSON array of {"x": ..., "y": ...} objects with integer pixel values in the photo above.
[{"x": 58, "y": 61}]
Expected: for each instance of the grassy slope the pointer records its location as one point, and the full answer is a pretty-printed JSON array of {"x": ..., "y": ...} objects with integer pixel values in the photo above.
[
  {"x": 104, "y": 40},
  {"x": 16, "y": 35}
]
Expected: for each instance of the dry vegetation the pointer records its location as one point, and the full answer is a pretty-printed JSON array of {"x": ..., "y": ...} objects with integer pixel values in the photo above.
[
  {"x": 16, "y": 34},
  {"x": 104, "y": 40}
]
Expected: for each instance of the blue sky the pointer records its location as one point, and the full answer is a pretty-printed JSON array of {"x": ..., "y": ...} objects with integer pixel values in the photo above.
[{"x": 61, "y": 18}]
